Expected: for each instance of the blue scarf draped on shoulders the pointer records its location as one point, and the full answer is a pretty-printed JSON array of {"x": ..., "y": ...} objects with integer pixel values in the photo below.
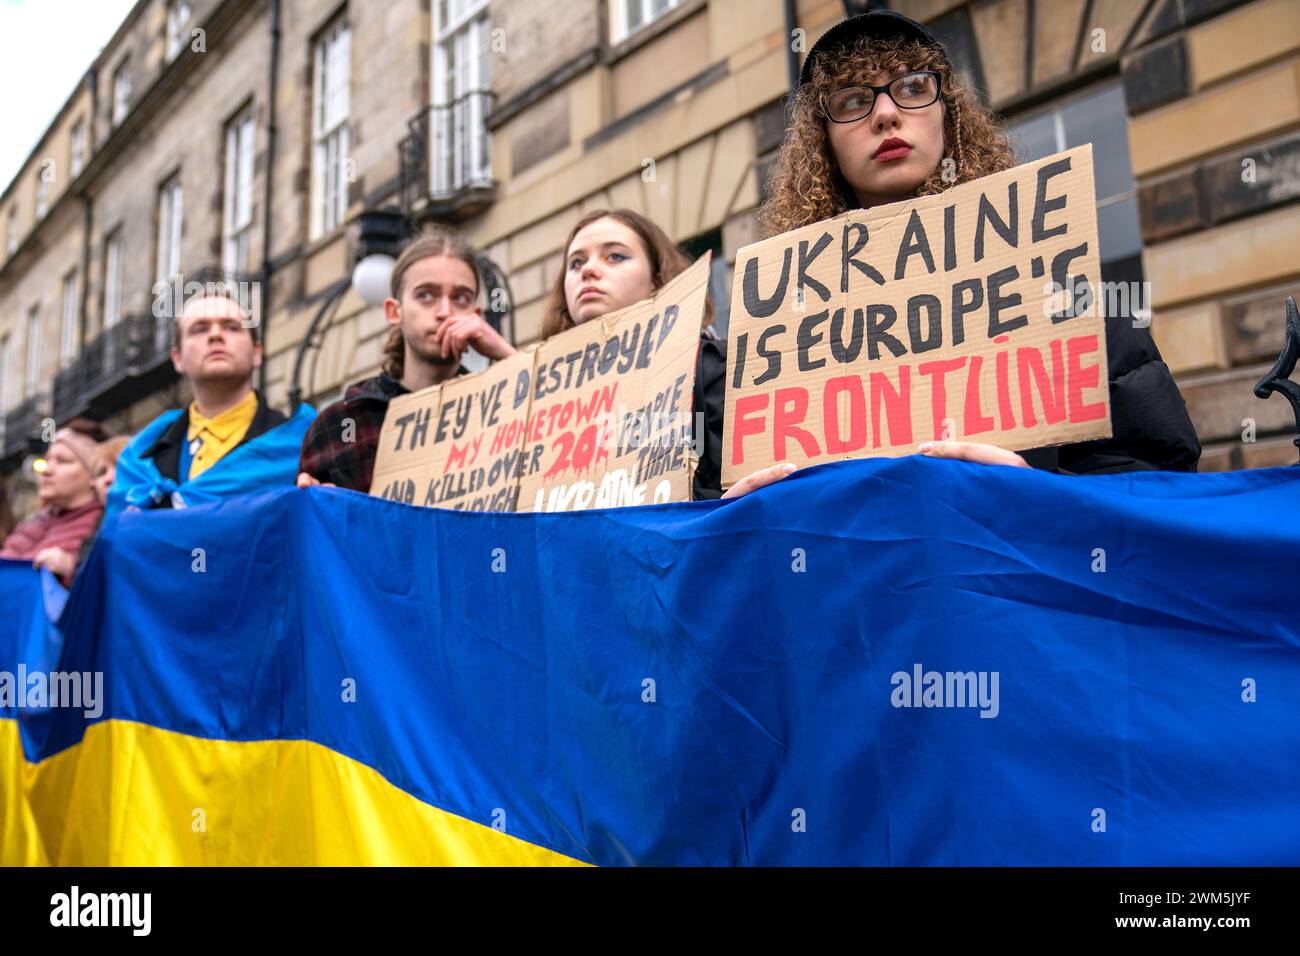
[{"x": 266, "y": 461}]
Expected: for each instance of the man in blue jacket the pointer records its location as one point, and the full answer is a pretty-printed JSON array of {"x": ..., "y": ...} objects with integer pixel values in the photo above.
[{"x": 228, "y": 441}]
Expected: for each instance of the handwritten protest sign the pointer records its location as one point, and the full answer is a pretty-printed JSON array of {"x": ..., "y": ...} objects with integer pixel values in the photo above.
[
  {"x": 635, "y": 367},
  {"x": 969, "y": 315},
  {"x": 458, "y": 444},
  {"x": 597, "y": 416}
]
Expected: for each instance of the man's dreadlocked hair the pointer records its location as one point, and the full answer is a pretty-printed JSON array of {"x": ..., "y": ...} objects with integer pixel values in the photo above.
[{"x": 806, "y": 185}]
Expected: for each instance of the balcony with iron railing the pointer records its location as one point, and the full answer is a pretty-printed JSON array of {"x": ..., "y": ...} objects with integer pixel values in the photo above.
[
  {"x": 446, "y": 162},
  {"x": 120, "y": 366},
  {"x": 21, "y": 425}
]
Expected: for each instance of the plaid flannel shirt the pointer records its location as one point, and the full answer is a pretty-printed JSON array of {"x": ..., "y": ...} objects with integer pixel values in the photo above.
[{"x": 328, "y": 456}]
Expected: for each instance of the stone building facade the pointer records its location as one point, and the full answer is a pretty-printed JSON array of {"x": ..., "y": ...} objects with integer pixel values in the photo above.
[{"x": 245, "y": 137}]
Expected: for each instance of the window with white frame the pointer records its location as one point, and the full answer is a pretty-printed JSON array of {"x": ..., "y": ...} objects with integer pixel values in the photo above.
[
  {"x": 33, "y": 352},
  {"x": 113, "y": 280},
  {"x": 169, "y": 230},
  {"x": 42, "y": 195},
  {"x": 178, "y": 18},
  {"x": 462, "y": 96},
  {"x": 121, "y": 92},
  {"x": 237, "y": 205},
  {"x": 11, "y": 232},
  {"x": 331, "y": 101},
  {"x": 77, "y": 161},
  {"x": 68, "y": 327},
  {"x": 629, "y": 16}
]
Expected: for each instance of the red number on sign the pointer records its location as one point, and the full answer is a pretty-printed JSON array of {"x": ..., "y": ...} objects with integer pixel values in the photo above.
[{"x": 585, "y": 448}]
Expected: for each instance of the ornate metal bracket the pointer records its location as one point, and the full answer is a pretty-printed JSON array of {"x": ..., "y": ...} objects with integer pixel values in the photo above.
[{"x": 1278, "y": 378}]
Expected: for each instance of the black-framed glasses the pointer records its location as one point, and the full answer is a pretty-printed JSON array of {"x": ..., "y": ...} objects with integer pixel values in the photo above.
[{"x": 912, "y": 91}]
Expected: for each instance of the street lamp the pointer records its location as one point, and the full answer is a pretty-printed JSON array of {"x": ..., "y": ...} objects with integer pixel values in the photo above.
[
  {"x": 383, "y": 233},
  {"x": 370, "y": 277}
]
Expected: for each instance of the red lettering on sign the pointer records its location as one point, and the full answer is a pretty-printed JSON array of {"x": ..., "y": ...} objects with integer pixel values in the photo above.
[
  {"x": 897, "y": 406},
  {"x": 939, "y": 368},
  {"x": 1051, "y": 391},
  {"x": 835, "y": 443},
  {"x": 975, "y": 422},
  {"x": 748, "y": 422},
  {"x": 790, "y": 407},
  {"x": 1079, "y": 378}
]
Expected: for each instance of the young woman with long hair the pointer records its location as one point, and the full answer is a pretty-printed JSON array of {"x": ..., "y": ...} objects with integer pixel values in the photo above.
[
  {"x": 614, "y": 258},
  {"x": 881, "y": 116}
]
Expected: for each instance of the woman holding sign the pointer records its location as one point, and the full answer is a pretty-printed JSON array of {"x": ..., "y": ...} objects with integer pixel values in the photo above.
[
  {"x": 880, "y": 117},
  {"x": 616, "y": 258}
]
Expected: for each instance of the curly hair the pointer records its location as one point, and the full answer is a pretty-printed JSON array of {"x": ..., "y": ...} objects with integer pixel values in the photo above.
[{"x": 806, "y": 184}]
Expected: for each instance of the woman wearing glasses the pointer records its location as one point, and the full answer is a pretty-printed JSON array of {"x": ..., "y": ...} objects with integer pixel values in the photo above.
[{"x": 879, "y": 117}]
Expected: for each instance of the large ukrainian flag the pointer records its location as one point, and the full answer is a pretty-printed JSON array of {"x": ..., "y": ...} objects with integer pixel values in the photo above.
[{"x": 326, "y": 678}]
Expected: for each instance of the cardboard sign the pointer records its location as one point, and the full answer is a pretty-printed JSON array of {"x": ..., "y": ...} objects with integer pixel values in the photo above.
[
  {"x": 971, "y": 315},
  {"x": 635, "y": 367},
  {"x": 458, "y": 444},
  {"x": 597, "y": 416}
]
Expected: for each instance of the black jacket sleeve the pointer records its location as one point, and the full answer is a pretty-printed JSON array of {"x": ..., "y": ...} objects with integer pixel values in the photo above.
[
  {"x": 1150, "y": 427},
  {"x": 710, "y": 398}
]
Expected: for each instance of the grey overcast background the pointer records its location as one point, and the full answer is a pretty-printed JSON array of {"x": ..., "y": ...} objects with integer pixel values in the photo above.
[{"x": 45, "y": 48}]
